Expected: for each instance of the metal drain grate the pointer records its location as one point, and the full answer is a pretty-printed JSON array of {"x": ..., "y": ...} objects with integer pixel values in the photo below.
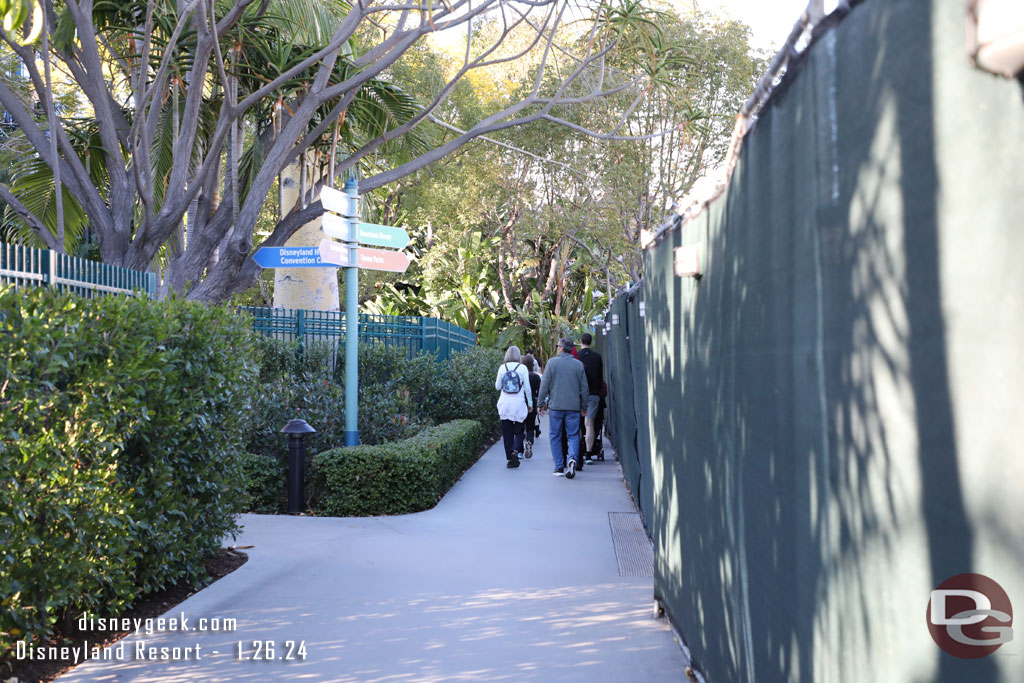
[{"x": 633, "y": 550}]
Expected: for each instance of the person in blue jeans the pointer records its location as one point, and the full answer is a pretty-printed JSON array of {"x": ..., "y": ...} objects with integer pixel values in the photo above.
[{"x": 564, "y": 388}]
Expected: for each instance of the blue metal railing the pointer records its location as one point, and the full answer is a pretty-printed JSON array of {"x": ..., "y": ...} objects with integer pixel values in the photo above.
[
  {"x": 412, "y": 333},
  {"x": 28, "y": 267}
]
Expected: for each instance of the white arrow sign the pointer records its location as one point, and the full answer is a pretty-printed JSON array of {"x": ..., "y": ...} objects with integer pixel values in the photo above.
[
  {"x": 339, "y": 202},
  {"x": 338, "y": 227}
]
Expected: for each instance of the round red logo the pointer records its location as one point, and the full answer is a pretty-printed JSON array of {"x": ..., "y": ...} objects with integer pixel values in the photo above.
[{"x": 969, "y": 616}]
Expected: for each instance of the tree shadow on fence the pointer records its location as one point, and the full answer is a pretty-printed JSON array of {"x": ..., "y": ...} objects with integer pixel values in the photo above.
[{"x": 808, "y": 493}]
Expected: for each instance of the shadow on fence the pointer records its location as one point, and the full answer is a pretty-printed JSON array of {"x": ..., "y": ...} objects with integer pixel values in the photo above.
[{"x": 826, "y": 426}]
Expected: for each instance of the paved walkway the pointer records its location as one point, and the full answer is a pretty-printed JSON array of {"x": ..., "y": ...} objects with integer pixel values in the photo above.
[{"x": 512, "y": 577}]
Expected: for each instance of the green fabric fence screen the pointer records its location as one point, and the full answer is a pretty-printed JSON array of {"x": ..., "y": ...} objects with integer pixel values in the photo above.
[{"x": 829, "y": 421}]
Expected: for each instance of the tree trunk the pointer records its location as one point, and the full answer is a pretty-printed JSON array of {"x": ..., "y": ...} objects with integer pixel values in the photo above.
[{"x": 313, "y": 289}]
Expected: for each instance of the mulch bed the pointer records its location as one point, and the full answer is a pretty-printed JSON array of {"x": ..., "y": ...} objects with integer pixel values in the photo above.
[{"x": 220, "y": 565}]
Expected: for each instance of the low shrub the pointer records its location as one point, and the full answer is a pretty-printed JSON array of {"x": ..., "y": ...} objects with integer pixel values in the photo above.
[
  {"x": 395, "y": 478},
  {"x": 398, "y": 396},
  {"x": 290, "y": 388},
  {"x": 264, "y": 479},
  {"x": 120, "y": 425},
  {"x": 465, "y": 389}
]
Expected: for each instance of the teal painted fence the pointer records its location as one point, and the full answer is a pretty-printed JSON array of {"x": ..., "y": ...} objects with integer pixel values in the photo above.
[
  {"x": 28, "y": 267},
  {"x": 413, "y": 333}
]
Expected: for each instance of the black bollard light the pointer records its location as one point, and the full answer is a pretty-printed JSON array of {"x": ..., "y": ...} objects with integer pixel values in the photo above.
[{"x": 296, "y": 431}]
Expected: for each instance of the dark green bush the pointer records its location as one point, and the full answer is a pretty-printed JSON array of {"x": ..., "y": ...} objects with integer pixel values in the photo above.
[
  {"x": 395, "y": 478},
  {"x": 120, "y": 424},
  {"x": 395, "y": 395},
  {"x": 264, "y": 480},
  {"x": 466, "y": 389},
  {"x": 280, "y": 359}
]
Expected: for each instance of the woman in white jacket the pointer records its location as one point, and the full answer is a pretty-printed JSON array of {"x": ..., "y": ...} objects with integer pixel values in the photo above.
[{"x": 514, "y": 403}]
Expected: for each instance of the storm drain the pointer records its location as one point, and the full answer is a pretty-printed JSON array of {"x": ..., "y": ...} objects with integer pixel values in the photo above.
[{"x": 633, "y": 550}]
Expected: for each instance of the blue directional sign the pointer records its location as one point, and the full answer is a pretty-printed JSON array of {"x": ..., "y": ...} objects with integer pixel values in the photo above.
[{"x": 290, "y": 257}]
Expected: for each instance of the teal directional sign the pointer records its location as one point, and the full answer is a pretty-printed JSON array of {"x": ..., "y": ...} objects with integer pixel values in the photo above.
[
  {"x": 366, "y": 233},
  {"x": 382, "y": 235}
]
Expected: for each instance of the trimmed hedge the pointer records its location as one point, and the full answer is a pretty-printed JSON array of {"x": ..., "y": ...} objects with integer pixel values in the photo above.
[
  {"x": 120, "y": 427},
  {"x": 395, "y": 478}
]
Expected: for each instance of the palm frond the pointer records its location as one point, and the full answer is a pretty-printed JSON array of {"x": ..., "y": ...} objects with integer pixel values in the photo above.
[{"x": 33, "y": 185}]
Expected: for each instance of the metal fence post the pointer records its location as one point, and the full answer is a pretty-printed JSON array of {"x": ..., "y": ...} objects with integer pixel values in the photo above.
[{"x": 49, "y": 267}]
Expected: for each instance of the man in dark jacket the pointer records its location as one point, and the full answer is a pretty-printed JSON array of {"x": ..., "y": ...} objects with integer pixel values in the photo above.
[
  {"x": 594, "y": 368},
  {"x": 564, "y": 388}
]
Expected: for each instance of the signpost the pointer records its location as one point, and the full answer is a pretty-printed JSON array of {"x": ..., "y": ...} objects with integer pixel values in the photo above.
[
  {"x": 351, "y": 196},
  {"x": 342, "y": 222},
  {"x": 348, "y": 256},
  {"x": 337, "y": 227}
]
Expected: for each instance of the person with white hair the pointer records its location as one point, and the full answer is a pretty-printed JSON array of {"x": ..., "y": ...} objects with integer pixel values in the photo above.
[{"x": 514, "y": 403}]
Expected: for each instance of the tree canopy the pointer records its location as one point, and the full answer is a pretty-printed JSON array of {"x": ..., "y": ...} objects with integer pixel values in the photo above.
[
  {"x": 526, "y": 234},
  {"x": 189, "y": 110}
]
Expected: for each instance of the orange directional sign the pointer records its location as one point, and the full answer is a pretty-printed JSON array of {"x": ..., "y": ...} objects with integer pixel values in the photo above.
[
  {"x": 381, "y": 259},
  {"x": 337, "y": 254}
]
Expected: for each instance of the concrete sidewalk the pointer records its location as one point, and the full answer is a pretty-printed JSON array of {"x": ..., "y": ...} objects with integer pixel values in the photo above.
[{"x": 513, "y": 576}]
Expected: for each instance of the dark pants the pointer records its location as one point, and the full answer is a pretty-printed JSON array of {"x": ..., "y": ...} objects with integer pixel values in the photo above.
[
  {"x": 530, "y": 426},
  {"x": 512, "y": 434}
]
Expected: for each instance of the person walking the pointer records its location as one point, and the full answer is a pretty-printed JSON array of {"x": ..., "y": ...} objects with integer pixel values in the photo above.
[
  {"x": 564, "y": 389},
  {"x": 594, "y": 368},
  {"x": 514, "y": 403},
  {"x": 530, "y": 425}
]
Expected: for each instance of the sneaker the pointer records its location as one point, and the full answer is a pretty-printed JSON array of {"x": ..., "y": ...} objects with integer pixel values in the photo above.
[
  {"x": 516, "y": 455},
  {"x": 571, "y": 472},
  {"x": 560, "y": 472},
  {"x": 512, "y": 464},
  {"x": 528, "y": 450}
]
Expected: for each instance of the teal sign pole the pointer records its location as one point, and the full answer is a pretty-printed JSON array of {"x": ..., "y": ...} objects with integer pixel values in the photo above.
[{"x": 352, "y": 336}]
